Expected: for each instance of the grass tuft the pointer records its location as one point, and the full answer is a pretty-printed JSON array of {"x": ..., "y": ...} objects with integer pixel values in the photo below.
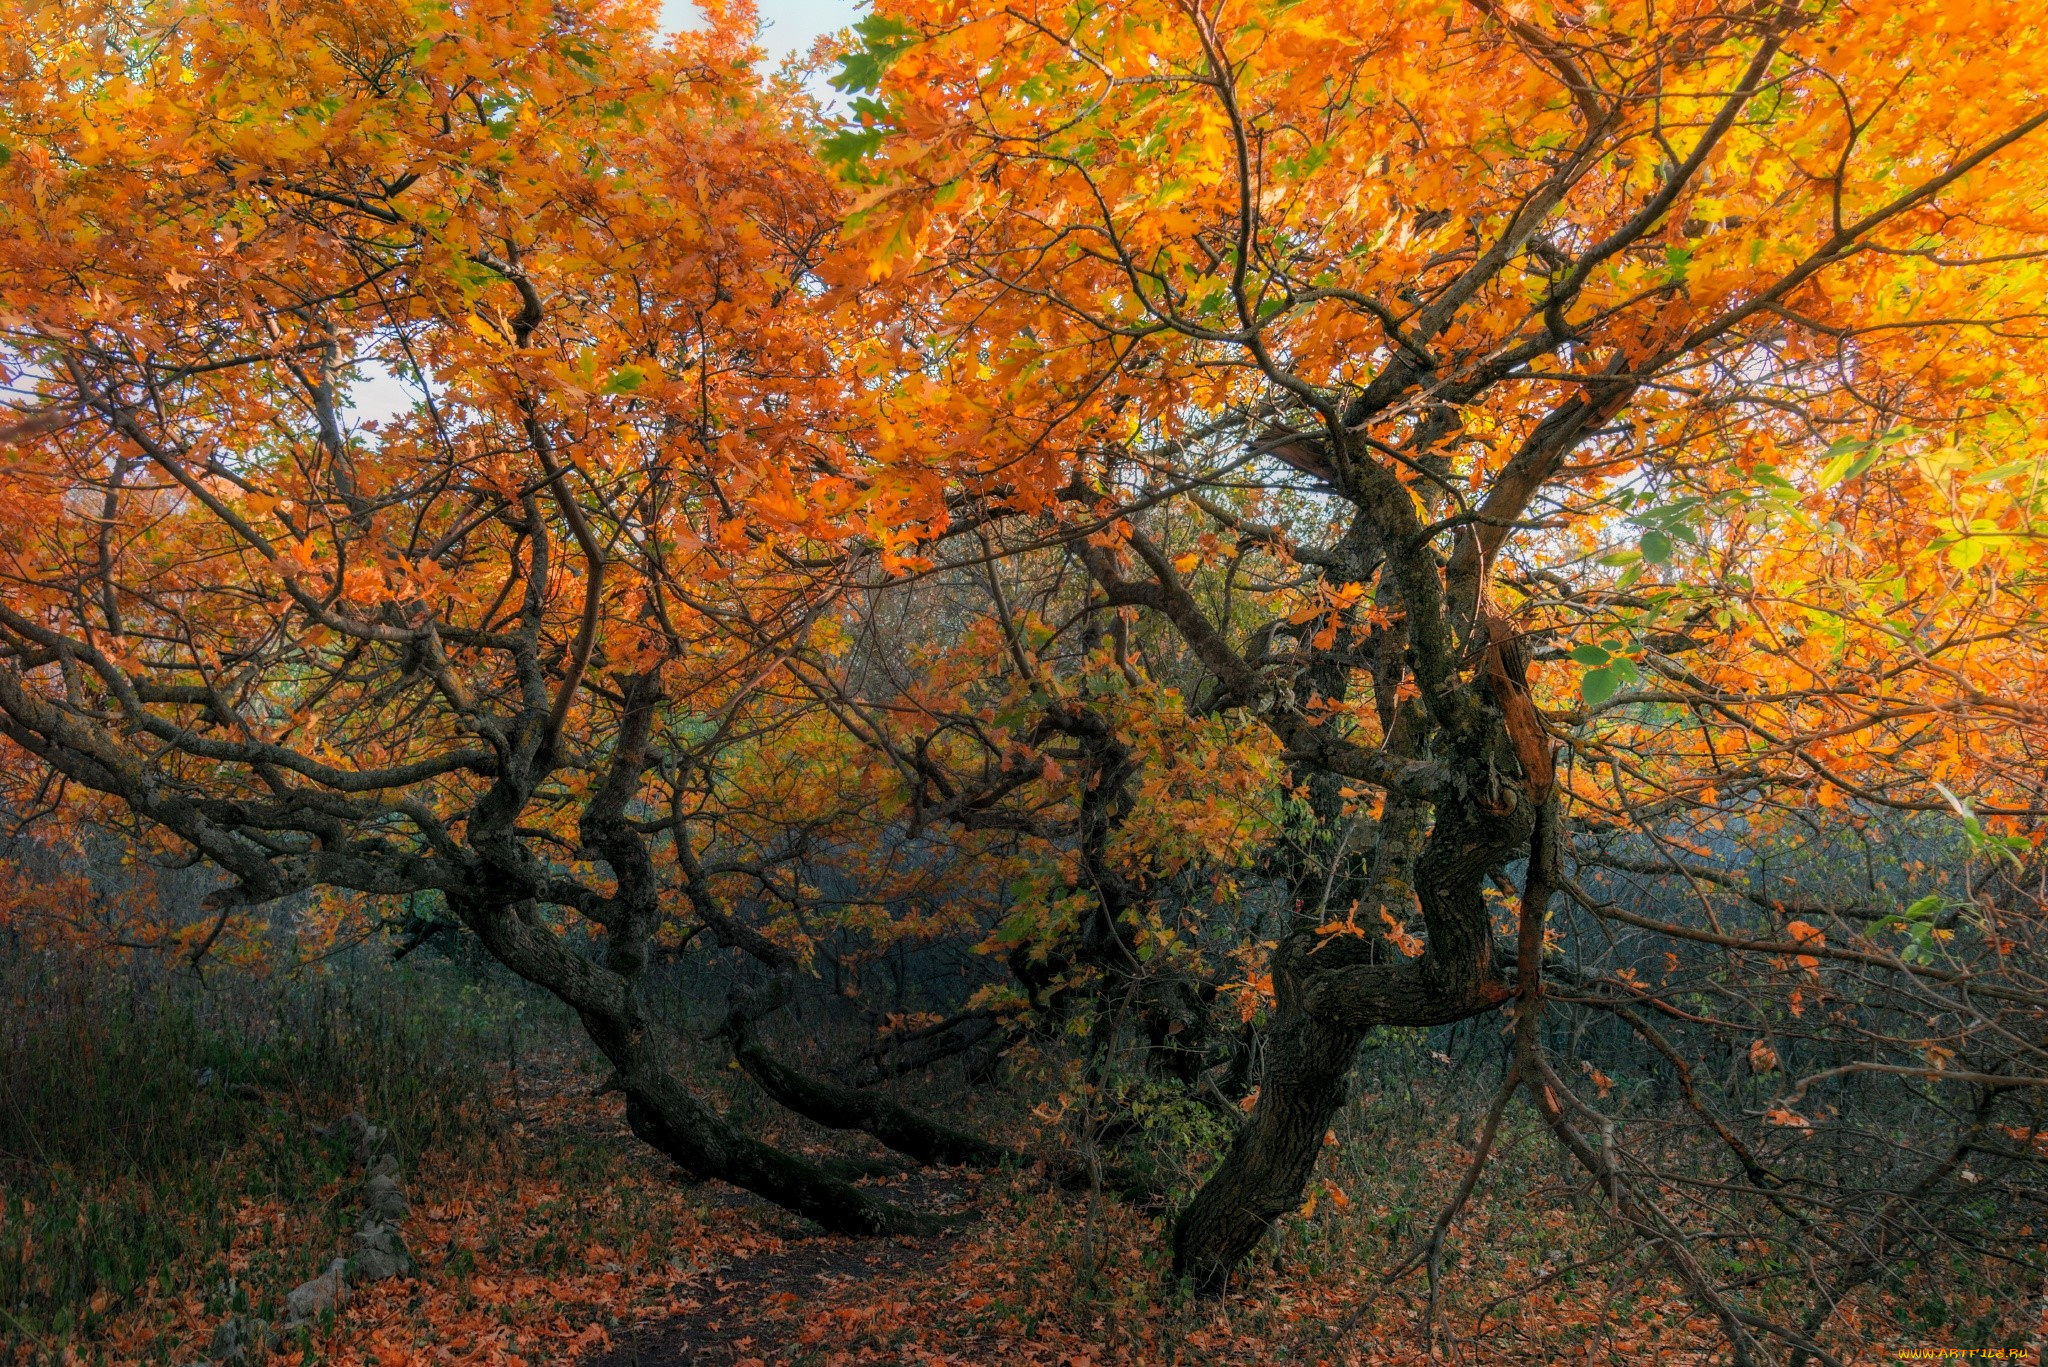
[{"x": 149, "y": 1121}]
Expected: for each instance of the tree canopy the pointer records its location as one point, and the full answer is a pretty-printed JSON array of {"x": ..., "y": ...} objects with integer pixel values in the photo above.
[{"x": 1270, "y": 521}]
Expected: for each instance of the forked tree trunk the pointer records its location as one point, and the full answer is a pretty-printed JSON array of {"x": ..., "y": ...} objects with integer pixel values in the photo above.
[
  {"x": 1328, "y": 996},
  {"x": 659, "y": 1108}
]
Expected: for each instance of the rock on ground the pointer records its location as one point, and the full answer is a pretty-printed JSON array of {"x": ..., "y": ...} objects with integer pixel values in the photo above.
[{"x": 328, "y": 1291}]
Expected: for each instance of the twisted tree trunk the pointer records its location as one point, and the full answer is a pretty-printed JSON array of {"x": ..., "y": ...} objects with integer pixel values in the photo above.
[
  {"x": 1328, "y": 995},
  {"x": 497, "y": 904}
]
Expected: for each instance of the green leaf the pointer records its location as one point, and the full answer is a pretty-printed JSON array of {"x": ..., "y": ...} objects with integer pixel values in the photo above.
[
  {"x": 1862, "y": 464},
  {"x": 1925, "y": 907},
  {"x": 1848, "y": 459},
  {"x": 1833, "y": 472},
  {"x": 2018, "y": 467},
  {"x": 1591, "y": 656},
  {"x": 625, "y": 380},
  {"x": 858, "y": 71},
  {"x": 850, "y": 148},
  {"x": 882, "y": 39},
  {"x": 1599, "y": 685},
  {"x": 1656, "y": 547},
  {"x": 881, "y": 31}
]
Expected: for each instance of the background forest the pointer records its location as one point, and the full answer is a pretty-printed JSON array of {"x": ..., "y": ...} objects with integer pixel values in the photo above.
[{"x": 1278, "y": 680}]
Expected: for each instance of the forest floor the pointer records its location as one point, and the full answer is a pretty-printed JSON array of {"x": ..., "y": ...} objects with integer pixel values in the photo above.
[
  {"x": 543, "y": 1232},
  {"x": 583, "y": 1245},
  {"x": 566, "y": 1241}
]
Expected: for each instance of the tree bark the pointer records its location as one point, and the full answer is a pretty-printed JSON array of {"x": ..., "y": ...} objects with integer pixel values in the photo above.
[
  {"x": 1262, "y": 1176},
  {"x": 659, "y": 1108},
  {"x": 1328, "y": 996},
  {"x": 844, "y": 1108}
]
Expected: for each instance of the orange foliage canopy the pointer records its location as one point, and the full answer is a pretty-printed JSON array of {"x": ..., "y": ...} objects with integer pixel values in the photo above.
[
  {"x": 1716, "y": 334},
  {"x": 581, "y": 257},
  {"x": 1475, "y": 420},
  {"x": 1696, "y": 350},
  {"x": 1712, "y": 336},
  {"x": 476, "y": 651}
]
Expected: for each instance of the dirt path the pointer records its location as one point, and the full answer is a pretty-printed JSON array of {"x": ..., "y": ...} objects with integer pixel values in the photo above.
[
  {"x": 787, "y": 1298},
  {"x": 762, "y": 1309},
  {"x": 755, "y": 1311}
]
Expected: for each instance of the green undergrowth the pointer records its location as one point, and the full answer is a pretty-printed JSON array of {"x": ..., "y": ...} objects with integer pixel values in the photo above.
[{"x": 147, "y": 1116}]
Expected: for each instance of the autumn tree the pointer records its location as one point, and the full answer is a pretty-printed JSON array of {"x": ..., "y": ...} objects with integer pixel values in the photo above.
[
  {"x": 480, "y": 653},
  {"x": 1696, "y": 353},
  {"x": 1477, "y": 475}
]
